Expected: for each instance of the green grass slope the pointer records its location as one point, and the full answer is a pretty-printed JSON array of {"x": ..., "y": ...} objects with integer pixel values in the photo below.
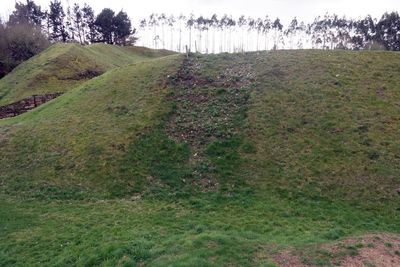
[
  {"x": 326, "y": 124},
  {"x": 64, "y": 66},
  {"x": 78, "y": 141},
  {"x": 209, "y": 161}
]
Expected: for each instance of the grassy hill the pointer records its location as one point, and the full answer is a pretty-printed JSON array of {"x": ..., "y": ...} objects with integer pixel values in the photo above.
[
  {"x": 203, "y": 161},
  {"x": 64, "y": 66}
]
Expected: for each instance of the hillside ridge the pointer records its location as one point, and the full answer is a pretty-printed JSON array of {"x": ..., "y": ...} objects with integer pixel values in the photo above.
[
  {"x": 250, "y": 159},
  {"x": 64, "y": 66}
]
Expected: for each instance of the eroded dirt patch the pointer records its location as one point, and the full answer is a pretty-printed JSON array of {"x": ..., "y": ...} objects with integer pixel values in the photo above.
[
  {"x": 206, "y": 104},
  {"x": 366, "y": 251},
  {"x": 84, "y": 75},
  {"x": 210, "y": 102},
  {"x": 26, "y": 104}
]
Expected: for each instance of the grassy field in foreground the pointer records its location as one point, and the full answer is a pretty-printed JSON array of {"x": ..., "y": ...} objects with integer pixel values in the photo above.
[
  {"x": 217, "y": 160},
  {"x": 202, "y": 231}
]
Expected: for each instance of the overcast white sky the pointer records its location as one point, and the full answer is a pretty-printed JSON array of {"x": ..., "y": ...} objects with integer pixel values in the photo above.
[{"x": 285, "y": 9}]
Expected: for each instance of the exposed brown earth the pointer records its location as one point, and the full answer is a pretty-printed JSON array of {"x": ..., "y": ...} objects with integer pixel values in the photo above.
[
  {"x": 206, "y": 107},
  {"x": 365, "y": 251},
  {"x": 26, "y": 104}
]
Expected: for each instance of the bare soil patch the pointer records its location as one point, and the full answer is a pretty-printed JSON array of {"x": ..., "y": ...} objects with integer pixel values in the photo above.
[
  {"x": 26, "y": 104},
  {"x": 365, "y": 251},
  {"x": 207, "y": 103}
]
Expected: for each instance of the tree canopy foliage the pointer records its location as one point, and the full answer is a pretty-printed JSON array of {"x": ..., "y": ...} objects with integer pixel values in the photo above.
[{"x": 19, "y": 42}]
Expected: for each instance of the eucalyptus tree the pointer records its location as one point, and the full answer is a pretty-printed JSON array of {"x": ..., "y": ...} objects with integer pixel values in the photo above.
[
  {"x": 325, "y": 26},
  {"x": 313, "y": 33},
  {"x": 266, "y": 29},
  {"x": 143, "y": 27},
  {"x": 319, "y": 31},
  {"x": 250, "y": 27},
  {"x": 231, "y": 23},
  {"x": 340, "y": 32},
  {"x": 344, "y": 28},
  {"x": 199, "y": 25},
  {"x": 189, "y": 24},
  {"x": 291, "y": 31},
  {"x": 259, "y": 25},
  {"x": 171, "y": 23},
  {"x": 153, "y": 23},
  {"x": 241, "y": 23},
  {"x": 301, "y": 31},
  {"x": 214, "y": 22},
  {"x": 206, "y": 27},
  {"x": 388, "y": 31},
  {"x": 181, "y": 19},
  {"x": 333, "y": 30},
  {"x": 277, "y": 27},
  {"x": 223, "y": 22},
  {"x": 364, "y": 32},
  {"x": 162, "y": 21}
]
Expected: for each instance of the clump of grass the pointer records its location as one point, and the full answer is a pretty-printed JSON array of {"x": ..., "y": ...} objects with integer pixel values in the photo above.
[
  {"x": 388, "y": 245},
  {"x": 334, "y": 234}
]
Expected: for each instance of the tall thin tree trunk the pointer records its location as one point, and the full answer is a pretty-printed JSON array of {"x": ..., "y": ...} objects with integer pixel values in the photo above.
[
  {"x": 155, "y": 36},
  {"x": 242, "y": 40},
  {"x": 199, "y": 40},
  {"x": 258, "y": 35},
  {"x": 213, "y": 42},
  {"x": 180, "y": 39},
  {"x": 265, "y": 41},
  {"x": 206, "y": 43},
  {"x": 221, "y": 41},
  {"x": 163, "y": 36},
  {"x": 190, "y": 39},
  {"x": 172, "y": 38},
  {"x": 230, "y": 40}
]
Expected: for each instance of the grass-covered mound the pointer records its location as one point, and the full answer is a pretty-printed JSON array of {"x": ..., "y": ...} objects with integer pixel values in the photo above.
[
  {"x": 207, "y": 161},
  {"x": 78, "y": 142},
  {"x": 326, "y": 123},
  {"x": 64, "y": 66}
]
